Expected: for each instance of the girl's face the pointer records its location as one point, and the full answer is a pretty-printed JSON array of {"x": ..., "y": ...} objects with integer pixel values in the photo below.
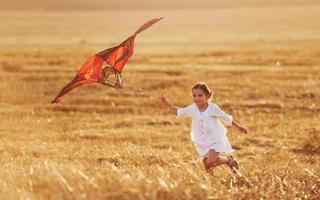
[{"x": 200, "y": 98}]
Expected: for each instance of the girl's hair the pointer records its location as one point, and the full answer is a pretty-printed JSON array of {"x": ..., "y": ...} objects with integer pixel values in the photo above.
[{"x": 204, "y": 87}]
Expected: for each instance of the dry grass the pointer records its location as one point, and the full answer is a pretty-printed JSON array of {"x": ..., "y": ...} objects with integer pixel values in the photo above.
[{"x": 104, "y": 144}]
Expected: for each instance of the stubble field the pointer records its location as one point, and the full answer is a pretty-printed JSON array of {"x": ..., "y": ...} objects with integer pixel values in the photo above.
[{"x": 263, "y": 65}]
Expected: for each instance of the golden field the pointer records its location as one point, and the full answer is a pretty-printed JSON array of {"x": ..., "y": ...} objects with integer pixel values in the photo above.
[{"x": 262, "y": 63}]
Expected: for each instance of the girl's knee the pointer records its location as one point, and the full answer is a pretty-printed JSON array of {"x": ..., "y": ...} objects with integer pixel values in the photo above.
[
  {"x": 212, "y": 157},
  {"x": 212, "y": 162}
]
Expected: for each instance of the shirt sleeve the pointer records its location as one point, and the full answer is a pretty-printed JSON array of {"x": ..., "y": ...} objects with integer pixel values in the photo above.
[
  {"x": 217, "y": 112},
  {"x": 187, "y": 111}
]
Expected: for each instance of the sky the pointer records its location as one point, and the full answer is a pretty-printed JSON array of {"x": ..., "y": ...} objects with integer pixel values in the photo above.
[{"x": 140, "y": 4}]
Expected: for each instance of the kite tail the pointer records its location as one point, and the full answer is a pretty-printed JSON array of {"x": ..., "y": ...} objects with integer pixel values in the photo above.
[{"x": 148, "y": 24}]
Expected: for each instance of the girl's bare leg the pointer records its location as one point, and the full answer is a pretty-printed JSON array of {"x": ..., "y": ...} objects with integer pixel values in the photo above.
[
  {"x": 213, "y": 159},
  {"x": 205, "y": 163}
]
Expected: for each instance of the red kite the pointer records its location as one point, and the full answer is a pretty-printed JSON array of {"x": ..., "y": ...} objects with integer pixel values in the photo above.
[{"x": 99, "y": 67}]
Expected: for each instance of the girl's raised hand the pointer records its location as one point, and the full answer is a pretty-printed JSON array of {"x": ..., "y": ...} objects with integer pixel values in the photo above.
[{"x": 163, "y": 100}]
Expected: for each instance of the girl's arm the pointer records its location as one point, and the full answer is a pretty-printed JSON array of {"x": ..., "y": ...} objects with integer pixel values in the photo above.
[
  {"x": 239, "y": 127},
  {"x": 165, "y": 103}
]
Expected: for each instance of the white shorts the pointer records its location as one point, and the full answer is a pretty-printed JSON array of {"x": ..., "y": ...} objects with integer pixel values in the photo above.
[{"x": 217, "y": 147}]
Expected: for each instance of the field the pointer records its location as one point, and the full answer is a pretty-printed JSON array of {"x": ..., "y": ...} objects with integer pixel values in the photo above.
[{"x": 262, "y": 63}]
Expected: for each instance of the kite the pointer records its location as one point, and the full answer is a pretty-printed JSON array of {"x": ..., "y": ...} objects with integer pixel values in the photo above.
[{"x": 111, "y": 61}]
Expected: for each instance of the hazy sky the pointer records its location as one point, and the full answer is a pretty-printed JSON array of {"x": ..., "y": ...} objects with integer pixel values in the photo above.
[{"x": 143, "y": 4}]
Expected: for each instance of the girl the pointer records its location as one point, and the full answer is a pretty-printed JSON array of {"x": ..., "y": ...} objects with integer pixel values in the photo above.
[{"x": 208, "y": 133}]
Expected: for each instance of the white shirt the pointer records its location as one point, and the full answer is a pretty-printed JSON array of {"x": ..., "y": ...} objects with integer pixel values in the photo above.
[{"x": 206, "y": 127}]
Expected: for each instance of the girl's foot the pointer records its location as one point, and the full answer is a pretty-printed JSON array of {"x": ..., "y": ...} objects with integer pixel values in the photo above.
[{"x": 232, "y": 163}]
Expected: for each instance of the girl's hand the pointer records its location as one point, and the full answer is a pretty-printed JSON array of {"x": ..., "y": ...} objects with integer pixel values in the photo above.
[
  {"x": 163, "y": 100},
  {"x": 166, "y": 104},
  {"x": 243, "y": 130}
]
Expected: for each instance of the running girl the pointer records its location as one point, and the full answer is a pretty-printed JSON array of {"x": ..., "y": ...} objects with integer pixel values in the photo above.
[{"x": 208, "y": 134}]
